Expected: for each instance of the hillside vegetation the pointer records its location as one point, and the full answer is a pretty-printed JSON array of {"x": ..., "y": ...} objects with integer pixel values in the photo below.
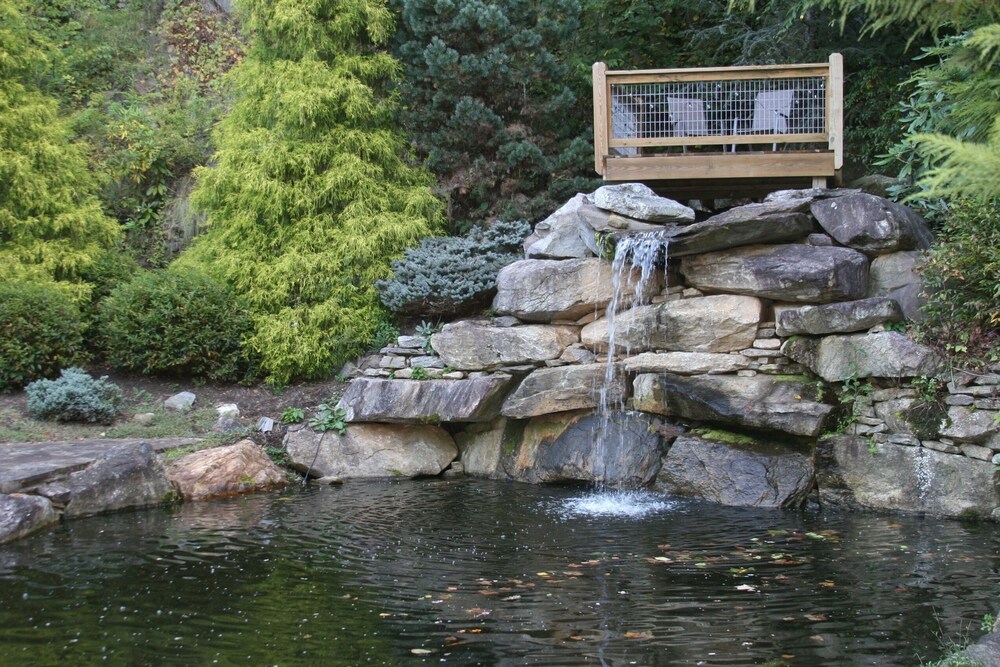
[{"x": 275, "y": 165}]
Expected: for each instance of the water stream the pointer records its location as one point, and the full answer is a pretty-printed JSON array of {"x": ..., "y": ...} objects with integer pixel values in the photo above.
[{"x": 475, "y": 572}]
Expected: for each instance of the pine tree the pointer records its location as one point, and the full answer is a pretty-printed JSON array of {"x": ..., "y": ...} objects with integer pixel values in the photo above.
[
  {"x": 489, "y": 106},
  {"x": 51, "y": 224},
  {"x": 310, "y": 198}
]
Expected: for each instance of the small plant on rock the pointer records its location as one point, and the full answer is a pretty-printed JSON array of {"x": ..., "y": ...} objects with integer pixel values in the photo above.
[
  {"x": 328, "y": 417},
  {"x": 292, "y": 416},
  {"x": 419, "y": 373},
  {"x": 74, "y": 397}
]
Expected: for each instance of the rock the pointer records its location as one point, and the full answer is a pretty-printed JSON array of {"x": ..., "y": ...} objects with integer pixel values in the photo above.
[
  {"x": 561, "y": 235},
  {"x": 902, "y": 478},
  {"x": 536, "y": 290},
  {"x": 686, "y": 363},
  {"x": 895, "y": 276},
  {"x": 181, "y": 402},
  {"x": 144, "y": 418},
  {"x": 772, "y": 222},
  {"x": 745, "y": 472},
  {"x": 974, "y": 426},
  {"x": 796, "y": 273},
  {"x": 871, "y": 224},
  {"x": 265, "y": 425},
  {"x": 984, "y": 653},
  {"x": 577, "y": 355},
  {"x": 842, "y": 317},
  {"x": 635, "y": 200},
  {"x": 426, "y": 362},
  {"x": 411, "y": 342},
  {"x": 227, "y": 425},
  {"x": 885, "y": 354},
  {"x": 622, "y": 450},
  {"x": 371, "y": 451},
  {"x": 720, "y": 323},
  {"x": 807, "y": 194},
  {"x": 425, "y": 401},
  {"x": 125, "y": 476},
  {"x": 875, "y": 184},
  {"x": 230, "y": 410},
  {"x": 549, "y": 390},
  {"x": 225, "y": 471},
  {"x": 483, "y": 446},
  {"x": 760, "y": 401},
  {"x": 470, "y": 346},
  {"x": 21, "y": 515}
]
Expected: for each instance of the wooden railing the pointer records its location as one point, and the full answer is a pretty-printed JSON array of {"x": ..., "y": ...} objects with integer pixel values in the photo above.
[{"x": 719, "y": 122}]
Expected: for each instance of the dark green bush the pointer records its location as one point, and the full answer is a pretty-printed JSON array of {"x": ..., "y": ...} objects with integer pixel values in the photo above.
[
  {"x": 40, "y": 332},
  {"x": 175, "y": 322},
  {"x": 962, "y": 284},
  {"x": 452, "y": 275},
  {"x": 75, "y": 397}
]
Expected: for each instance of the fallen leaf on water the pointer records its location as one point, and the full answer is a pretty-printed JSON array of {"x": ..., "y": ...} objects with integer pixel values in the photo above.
[
  {"x": 486, "y": 592},
  {"x": 827, "y": 584},
  {"x": 421, "y": 651},
  {"x": 452, "y": 589},
  {"x": 512, "y": 597},
  {"x": 385, "y": 615},
  {"x": 788, "y": 656},
  {"x": 477, "y": 611},
  {"x": 543, "y": 574},
  {"x": 817, "y": 638},
  {"x": 747, "y": 587},
  {"x": 571, "y": 573},
  {"x": 576, "y": 638},
  {"x": 644, "y": 634},
  {"x": 789, "y": 618},
  {"x": 816, "y": 617}
]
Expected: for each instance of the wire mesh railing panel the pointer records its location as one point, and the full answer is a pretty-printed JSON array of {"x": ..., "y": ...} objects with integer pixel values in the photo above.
[{"x": 719, "y": 108}]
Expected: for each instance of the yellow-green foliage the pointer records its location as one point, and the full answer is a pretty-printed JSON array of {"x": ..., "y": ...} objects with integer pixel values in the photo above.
[
  {"x": 51, "y": 223},
  {"x": 310, "y": 198}
]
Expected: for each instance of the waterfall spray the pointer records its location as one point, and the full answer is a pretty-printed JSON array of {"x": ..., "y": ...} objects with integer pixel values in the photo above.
[{"x": 635, "y": 253}]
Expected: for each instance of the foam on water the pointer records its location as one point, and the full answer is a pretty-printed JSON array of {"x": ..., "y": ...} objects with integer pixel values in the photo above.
[{"x": 616, "y": 503}]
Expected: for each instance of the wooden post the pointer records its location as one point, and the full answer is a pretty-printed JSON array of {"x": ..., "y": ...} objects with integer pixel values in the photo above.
[
  {"x": 601, "y": 120},
  {"x": 835, "y": 109}
]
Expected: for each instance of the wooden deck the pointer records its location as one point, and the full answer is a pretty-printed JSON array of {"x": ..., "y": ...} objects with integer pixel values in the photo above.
[{"x": 728, "y": 126}]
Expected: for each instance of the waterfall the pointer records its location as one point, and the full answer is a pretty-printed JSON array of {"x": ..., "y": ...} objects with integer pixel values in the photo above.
[{"x": 633, "y": 253}]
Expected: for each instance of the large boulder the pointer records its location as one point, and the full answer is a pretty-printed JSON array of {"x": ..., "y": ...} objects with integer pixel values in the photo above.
[
  {"x": 795, "y": 273},
  {"x": 752, "y": 224},
  {"x": 562, "y": 234},
  {"x": 872, "y": 224},
  {"x": 617, "y": 449},
  {"x": 125, "y": 476},
  {"x": 536, "y": 290},
  {"x": 564, "y": 388},
  {"x": 486, "y": 449},
  {"x": 371, "y": 451},
  {"x": 895, "y": 276},
  {"x": 686, "y": 363},
  {"x": 761, "y": 401},
  {"x": 225, "y": 471},
  {"x": 854, "y": 473},
  {"x": 736, "y": 470},
  {"x": 841, "y": 317},
  {"x": 474, "y": 346},
  {"x": 719, "y": 323},
  {"x": 21, "y": 515},
  {"x": 635, "y": 200},
  {"x": 885, "y": 354},
  {"x": 968, "y": 425},
  {"x": 369, "y": 399}
]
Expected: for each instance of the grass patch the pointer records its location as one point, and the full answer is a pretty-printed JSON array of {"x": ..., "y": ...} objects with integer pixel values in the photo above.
[
  {"x": 18, "y": 427},
  {"x": 725, "y": 437}
]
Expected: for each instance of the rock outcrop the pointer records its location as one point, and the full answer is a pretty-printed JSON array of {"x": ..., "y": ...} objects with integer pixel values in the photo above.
[{"x": 225, "y": 471}]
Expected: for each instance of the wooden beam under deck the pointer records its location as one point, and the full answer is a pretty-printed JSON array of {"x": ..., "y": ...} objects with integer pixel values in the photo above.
[{"x": 719, "y": 165}]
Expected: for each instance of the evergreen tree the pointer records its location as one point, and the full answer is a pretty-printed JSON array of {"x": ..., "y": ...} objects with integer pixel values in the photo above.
[
  {"x": 310, "y": 198},
  {"x": 489, "y": 105},
  {"x": 51, "y": 224}
]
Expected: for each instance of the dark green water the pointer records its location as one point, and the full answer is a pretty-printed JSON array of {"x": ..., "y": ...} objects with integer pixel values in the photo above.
[{"x": 478, "y": 573}]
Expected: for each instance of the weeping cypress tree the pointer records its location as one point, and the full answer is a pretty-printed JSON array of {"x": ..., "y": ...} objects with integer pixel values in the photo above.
[
  {"x": 51, "y": 224},
  {"x": 310, "y": 198}
]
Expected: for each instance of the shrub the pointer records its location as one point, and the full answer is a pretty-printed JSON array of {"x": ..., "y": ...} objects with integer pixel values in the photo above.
[
  {"x": 452, "y": 275},
  {"x": 962, "y": 284},
  {"x": 40, "y": 332},
  {"x": 176, "y": 323},
  {"x": 74, "y": 397}
]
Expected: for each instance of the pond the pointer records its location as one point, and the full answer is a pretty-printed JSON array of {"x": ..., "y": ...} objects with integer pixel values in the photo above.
[{"x": 470, "y": 572}]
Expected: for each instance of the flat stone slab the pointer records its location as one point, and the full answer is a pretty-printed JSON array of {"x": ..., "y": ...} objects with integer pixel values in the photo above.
[{"x": 27, "y": 464}]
